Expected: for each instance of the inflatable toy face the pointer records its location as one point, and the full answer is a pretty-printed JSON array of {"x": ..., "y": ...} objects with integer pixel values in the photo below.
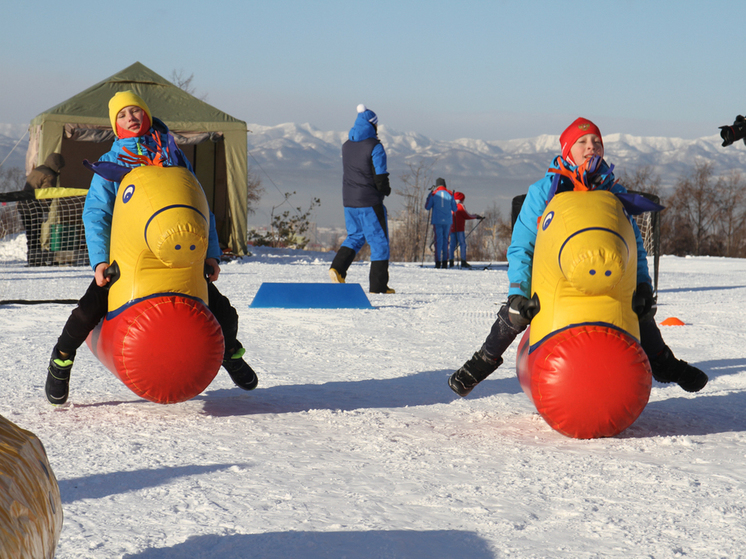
[
  {"x": 585, "y": 264},
  {"x": 159, "y": 236}
]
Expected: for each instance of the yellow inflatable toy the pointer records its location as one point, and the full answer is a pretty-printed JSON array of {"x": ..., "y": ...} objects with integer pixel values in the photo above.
[
  {"x": 30, "y": 504},
  {"x": 580, "y": 362},
  {"x": 159, "y": 337}
]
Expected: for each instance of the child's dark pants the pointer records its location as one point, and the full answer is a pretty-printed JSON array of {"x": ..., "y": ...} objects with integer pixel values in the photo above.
[{"x": 93, "y": 305}]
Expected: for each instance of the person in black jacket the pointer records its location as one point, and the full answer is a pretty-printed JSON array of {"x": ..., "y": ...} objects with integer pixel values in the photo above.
[
  {"x": 32, "y": 211},
  {"x": 365, "y": 183}
]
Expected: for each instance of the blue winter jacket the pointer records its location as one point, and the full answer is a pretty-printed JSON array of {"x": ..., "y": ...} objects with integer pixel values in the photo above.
[
  {"x": 364, "y": 130},
  {"x": 363, "y": 159},
  {"x": 99, "y": 203},
  {"x": 523, "y": 241},
  {"x": 443, "y": 204}
]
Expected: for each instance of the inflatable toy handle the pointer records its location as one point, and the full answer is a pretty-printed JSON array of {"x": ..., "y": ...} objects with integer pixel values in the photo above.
[{"x": 112, "y": 272}]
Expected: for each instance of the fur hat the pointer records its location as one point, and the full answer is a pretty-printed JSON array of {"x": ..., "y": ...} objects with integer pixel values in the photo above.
[
  {"x": 574, "y": 132},
  {"x": 440, "y": 182},
  {"x": 368, "y": 115},
  {"x": 124, "y": 99}
]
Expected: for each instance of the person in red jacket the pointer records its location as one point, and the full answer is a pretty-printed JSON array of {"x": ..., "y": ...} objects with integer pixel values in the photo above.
[{"x": 457, "y": 230}]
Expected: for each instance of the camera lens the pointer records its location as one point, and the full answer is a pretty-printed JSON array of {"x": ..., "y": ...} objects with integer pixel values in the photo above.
[{"x": 727, "y": 134}]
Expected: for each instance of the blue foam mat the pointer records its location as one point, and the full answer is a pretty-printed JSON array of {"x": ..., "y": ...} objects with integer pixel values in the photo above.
[{"x": 311, "y": 296}]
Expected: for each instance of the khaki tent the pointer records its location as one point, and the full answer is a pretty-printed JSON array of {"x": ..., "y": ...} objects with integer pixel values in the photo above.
[{"x": 214, "y": 142}]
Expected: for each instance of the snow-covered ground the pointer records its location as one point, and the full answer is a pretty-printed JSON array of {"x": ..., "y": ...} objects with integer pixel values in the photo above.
[{"x": 354, "y": 446}]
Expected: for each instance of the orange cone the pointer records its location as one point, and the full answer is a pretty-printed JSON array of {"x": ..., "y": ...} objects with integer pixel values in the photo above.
[{"x": 672, "y": 321}]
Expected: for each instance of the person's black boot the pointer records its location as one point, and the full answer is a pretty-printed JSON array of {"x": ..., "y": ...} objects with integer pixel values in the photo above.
[
  {"x": 474, "y": 371},
  {"x": 667, "y": 368},
  {"x": 379, "y": 277},
  {"x": 57, "y": 387},
  {"x": 242, "y": 375},
  {"x": 340, "y": 264},
  {"x": 450, "y": 263},
  {"x": 437, "y": 263},
  {"x": 465, "y": 264}
]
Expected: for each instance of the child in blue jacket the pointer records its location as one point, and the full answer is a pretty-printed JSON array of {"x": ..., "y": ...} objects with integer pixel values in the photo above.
[
  {"x": 580, "y": 142},
  {"x": 141, "y": 139}
]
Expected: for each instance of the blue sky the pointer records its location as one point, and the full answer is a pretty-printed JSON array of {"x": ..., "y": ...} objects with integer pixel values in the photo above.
[{"x": 479, "y": 69}]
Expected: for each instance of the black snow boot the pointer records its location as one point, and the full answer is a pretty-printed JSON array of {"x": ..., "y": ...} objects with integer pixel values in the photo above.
[
  {"x": 437, "y": 263},
  {"x": 340, "y": 264},
  {"x": 57, "y": 387},
  {"x": 465, "y": 264},
  {"x": 450, "y": 263},
  {"x": 474, "y": 371},
  {"x": 379, "y": 277},
  {"x": 667, "y": 368},
  {"x": 242, "y": 375}
]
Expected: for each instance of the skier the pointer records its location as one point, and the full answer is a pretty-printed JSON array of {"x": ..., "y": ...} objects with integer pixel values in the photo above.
[
  {"x": 365, "y": 183},
  {"x": 442, "y": 205},
  {"x": 460, "y": 217},
  {"x": 141, "y": 139},
  {"x": 580, "y": 143}
]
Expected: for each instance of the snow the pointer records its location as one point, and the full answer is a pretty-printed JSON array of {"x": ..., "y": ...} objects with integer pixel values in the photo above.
[{"x": 354, "y": 446}]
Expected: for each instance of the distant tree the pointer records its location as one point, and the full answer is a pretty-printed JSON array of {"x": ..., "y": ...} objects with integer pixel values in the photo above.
[
  {"x": 692, "y": 214},
  {"x": 490, "y": 239},
  {"x": 641, "y": 179},
  {"x": 731, "y": 222},
  {"x": 180, "y": 80},
  {"x": 409, "y": 231},
  {"x": 12, "y": 179},
  {"x": 255, "y": 191},
  {"x": 286, "y": 230}
]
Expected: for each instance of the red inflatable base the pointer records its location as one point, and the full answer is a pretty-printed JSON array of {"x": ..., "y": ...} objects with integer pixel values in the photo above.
[
  {"x": 586, "y": 381},
  {"x": 166, "y": 349}
]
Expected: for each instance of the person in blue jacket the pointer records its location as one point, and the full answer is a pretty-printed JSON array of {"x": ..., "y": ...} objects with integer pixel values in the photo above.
[
  {"x": 141, "y": 140},
  {"x": 442, "y": 206},
  {"x": 365, "y": 183},
  {"x": 582, "y": 151}
]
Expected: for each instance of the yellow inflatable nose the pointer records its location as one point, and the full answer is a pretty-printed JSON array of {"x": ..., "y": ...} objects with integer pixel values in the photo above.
[
  {"x": 175, "y": 239},
  {"x": 181, "y": 248},
  {"x": 594, "y": 260}
]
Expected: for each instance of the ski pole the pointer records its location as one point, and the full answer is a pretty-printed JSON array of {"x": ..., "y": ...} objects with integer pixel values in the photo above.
[
  {"x": 424, "y": 244},
  {"x": 474, "y": 228}
]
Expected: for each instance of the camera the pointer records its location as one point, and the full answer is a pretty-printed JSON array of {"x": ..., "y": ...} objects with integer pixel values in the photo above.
[{"x": 734, "y": 132}]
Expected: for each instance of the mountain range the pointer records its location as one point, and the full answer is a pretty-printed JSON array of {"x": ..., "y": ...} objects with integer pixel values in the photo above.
[{"x": 303, "y": 159}]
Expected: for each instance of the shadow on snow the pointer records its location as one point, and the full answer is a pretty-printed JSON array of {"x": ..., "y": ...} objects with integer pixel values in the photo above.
[
  {"x": 103, "y": 485},
  {"x": 409, "y": 544},
  {"x": 421, "y": 389}
]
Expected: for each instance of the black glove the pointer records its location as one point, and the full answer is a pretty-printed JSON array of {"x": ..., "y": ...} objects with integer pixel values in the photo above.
[
  {"x": 643, "y": 302},
  {"x": 382, "y": 184},
  {"x": 522, "y": 310}
]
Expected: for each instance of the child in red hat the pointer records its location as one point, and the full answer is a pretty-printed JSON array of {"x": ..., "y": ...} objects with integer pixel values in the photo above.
[
  {"x": 579, "y": 167},
  {"x": 460, "y": 216}
]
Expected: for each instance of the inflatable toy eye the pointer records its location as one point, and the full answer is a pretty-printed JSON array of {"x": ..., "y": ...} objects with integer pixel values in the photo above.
[
  {"x": 128, "y": 192},
  {"x": 547, "y": 221}
]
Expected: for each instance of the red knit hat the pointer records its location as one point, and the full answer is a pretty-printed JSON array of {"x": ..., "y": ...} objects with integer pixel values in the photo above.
[
  {"x": 459, "y": 196},
  {"x": 574, "y": 132}
]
